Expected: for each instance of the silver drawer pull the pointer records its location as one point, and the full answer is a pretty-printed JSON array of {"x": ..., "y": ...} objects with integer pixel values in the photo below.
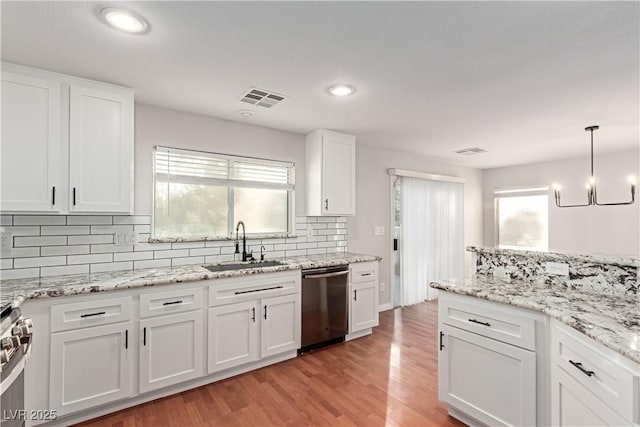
[
  {"x": 479, "y": 322},
  {"x": 579, "y": 366},
  {"x": 258, "y": 290},
  {"x": 99, "y": 313},
  {"x": 172, "y": 302}
]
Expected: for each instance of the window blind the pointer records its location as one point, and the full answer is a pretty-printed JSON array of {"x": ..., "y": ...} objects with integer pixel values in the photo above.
[{"x": 197, "y": 167}]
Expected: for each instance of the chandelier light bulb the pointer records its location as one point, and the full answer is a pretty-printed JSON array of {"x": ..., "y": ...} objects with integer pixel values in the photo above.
[{"x": 632, "y": 180}]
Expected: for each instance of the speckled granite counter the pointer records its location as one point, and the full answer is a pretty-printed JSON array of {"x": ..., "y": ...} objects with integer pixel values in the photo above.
[
  {"x": 18, "y": 290},
  {"x": 610, "y": 320}
]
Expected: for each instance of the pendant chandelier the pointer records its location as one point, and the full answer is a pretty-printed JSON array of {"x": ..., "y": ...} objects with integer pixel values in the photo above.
[{"x": 592, "y": 194}]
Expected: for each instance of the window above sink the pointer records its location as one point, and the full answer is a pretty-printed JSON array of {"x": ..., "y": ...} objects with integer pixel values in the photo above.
[{"x": 199, "y": 193}]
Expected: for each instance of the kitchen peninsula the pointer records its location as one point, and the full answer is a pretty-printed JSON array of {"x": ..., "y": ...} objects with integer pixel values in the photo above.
[{"x": 562, "y": 349}]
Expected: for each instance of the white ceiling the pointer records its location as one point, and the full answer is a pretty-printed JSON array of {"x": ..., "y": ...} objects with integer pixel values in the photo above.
[{"x": 519, "y": 79}]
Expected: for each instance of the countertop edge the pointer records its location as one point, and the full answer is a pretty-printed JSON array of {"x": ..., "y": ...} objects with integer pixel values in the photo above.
[{"x": 132, "y": 279}]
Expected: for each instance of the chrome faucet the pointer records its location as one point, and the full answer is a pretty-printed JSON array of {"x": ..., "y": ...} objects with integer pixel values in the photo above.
[{"x": 245, "y": 255}]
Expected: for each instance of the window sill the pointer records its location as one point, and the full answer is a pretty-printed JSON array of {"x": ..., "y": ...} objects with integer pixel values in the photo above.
[{"x": 219, "y": 238}]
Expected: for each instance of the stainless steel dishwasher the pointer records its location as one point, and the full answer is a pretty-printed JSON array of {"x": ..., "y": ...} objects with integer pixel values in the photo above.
[{"x": 324, "y": 306}]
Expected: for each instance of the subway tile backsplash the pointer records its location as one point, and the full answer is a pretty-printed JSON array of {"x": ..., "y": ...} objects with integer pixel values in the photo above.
[{"x": 51, "y": 245}]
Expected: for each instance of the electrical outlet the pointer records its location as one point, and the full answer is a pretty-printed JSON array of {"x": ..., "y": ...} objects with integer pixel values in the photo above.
[
  {"x": 7, "y": 241},
  {"x": 557, "y": 268},
  {"x": 501, "y": 272},
  {"x": 126, "y": 238},
  {"x": 383, "y": 287}
]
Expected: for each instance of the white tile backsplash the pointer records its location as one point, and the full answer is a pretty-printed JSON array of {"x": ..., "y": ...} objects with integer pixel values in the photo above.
[
  {"x": 39, "y": 220},
  {"x": 48, "y": 245}
]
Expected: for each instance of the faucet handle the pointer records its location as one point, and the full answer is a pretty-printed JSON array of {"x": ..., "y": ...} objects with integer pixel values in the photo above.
[{"x": 237, "y": 247}]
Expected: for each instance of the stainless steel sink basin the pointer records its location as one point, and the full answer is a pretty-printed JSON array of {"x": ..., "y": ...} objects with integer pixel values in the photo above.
[{"x": 242, "y": 265}]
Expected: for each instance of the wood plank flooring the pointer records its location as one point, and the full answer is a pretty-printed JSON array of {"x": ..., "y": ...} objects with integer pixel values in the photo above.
[{"x": 386, "y": 379}]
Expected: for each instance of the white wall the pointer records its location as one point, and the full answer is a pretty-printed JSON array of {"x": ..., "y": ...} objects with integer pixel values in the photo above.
[
  {"x": 171, "y": 128},
  {"x": 373, "y": 203},
  {"x": 607, "y": 230},
  {"x": 160, "y": 126}
]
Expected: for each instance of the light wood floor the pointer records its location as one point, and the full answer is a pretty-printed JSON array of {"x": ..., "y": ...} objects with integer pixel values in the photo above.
[{"x": 388, "y": 378}]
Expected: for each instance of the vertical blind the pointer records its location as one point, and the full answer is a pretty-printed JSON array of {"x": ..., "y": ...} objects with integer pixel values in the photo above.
[{"x": 432, "y": 217}]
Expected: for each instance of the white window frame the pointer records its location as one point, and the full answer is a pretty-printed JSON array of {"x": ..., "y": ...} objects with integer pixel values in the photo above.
[
  {"x": 231, "y": 183},
  {"x": 504, "y": 192}
]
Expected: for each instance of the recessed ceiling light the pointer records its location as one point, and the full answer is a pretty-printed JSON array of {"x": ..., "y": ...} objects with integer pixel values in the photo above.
[
  {"x": 341, "y": 90},
  {"x": 245, "y": 113},
  {"x": 124, "y": 20}
]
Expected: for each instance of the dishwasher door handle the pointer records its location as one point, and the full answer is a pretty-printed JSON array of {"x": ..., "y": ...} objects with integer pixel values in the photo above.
[{"x": 322, "y": 276}]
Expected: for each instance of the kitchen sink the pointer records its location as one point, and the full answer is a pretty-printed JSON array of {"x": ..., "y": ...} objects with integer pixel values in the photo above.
[{"x": 242, "y": 265}]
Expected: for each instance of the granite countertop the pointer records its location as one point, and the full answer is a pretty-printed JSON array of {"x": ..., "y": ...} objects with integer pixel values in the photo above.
[
  {"x": 610, "y": 320},
  {"x": 17, "y": 291}
]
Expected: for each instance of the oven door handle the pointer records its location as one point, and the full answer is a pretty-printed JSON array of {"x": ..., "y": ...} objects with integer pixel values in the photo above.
[{"x": 322, "y": 276}]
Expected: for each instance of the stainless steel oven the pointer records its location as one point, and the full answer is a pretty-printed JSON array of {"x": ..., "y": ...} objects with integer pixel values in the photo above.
[
  {"x": 324, "y": 306},
  {"x": 14, "y": 343}
]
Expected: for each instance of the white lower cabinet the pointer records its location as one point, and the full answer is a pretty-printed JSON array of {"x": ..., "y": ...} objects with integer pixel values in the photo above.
[
  {"x": 488, "y": 380},
  {"x": 487, "y": 364},
  {"x": 248, "y": 331},
  {"x": 363, "y": 311},
  {"x": 90, "y": 367},
  {"x": 575, "y": 405},
  {"x": 171, "y": 350},
  {"x": 233, "y": 335},
  {"x": 363, "y": 298},
  {"x": 281, "y": 325},
  {"x": 590, "y": 384}
]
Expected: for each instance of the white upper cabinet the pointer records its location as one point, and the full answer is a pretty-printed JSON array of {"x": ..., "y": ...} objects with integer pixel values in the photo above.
[
  {"x": 67, "y": 143},
  {"x": 30, "y": 143},
  {"x": 100, "y": 150},
  {"x": 331, "y": 173}
]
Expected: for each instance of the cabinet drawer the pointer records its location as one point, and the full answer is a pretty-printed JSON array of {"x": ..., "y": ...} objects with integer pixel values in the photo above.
[
  {"x": 168, "y": 302},
  {"x": 364, "y": 272},
  {"x": 491, "y": 320},
  {"x": 597, "y": 370},
  {"x": 228, "y": 291},
  {"x": 90, "y": 313}
]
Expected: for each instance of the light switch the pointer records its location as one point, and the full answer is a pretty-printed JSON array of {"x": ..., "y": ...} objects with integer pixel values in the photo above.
[{"x": 378, "y": 230}]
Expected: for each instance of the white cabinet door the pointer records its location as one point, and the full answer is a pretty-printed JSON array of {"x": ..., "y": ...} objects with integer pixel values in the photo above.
[
  {"x": 338, "y": 174},
  {"x": 572, "y": 404},
  {"x": 172, "y": 350},
  {"x": 90, "y": 367},
  {"x": 281, "y": 325},
  {"x": 100, "y": 150},
  {"x": 331, "y": 173},
  {"x": 233, "y": 335},
  {"x": 490, "y": 381},
  {"x": 363, "y": 312},
  {"x": 31, "y": 162}
]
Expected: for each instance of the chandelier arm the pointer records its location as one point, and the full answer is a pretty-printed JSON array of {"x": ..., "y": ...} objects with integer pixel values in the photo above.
[
  {"x": 557, "y": 197},
  {"x": 630, "y": 202}
]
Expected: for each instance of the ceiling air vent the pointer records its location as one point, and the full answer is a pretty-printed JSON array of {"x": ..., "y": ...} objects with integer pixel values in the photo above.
[
  {"x": 262, "y": 98},
  {"x": 471, "y": 151}
]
